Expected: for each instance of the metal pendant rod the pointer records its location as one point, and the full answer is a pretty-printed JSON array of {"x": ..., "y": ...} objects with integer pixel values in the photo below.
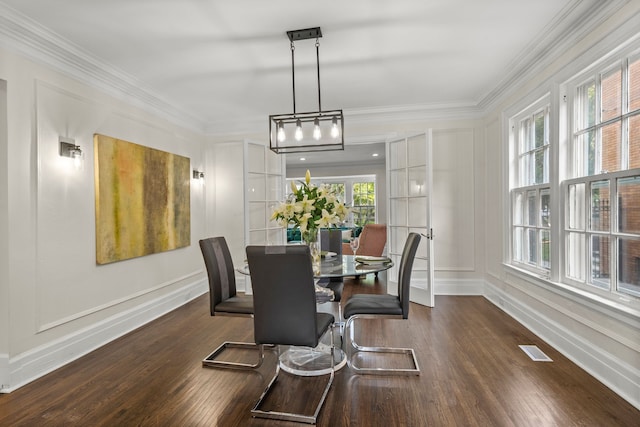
[
  {"x": 318, "y": 66},
  {"x": 293, "y": 74}
]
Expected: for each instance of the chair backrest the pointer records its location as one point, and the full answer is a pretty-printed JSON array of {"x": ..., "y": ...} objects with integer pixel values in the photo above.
[
  {"x": 222, "y": 279},
  {"x": 331, "y": 240},
  {"x": 284, "y": 297},
  {"x": 404, "y": 275},
  {"x": 373, "y": 239}
]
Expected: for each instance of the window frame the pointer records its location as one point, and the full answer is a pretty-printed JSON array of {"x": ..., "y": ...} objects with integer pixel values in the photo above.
[
  {"x": 581, "y": 172},
  {"x": 519, "y": 153}
]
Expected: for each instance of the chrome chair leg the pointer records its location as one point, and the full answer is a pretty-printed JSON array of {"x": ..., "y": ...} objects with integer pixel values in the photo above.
[
  {"x": 211, "y": 362},
  {"x": 290, "y": 416},
  {"x": 357, "y": 348}
]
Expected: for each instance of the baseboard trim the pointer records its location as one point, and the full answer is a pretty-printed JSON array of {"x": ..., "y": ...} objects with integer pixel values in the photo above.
[
  {"x": 459, "y": 287},
  {"x": 35, "y": 363},
  {"x": 615, "y": 374}
]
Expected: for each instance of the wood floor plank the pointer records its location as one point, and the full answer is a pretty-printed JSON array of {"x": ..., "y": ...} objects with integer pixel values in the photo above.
[{"x": 473, "y": 374}]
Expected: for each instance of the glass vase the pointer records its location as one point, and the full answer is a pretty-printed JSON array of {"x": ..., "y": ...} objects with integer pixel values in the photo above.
[{"x": 311, "y": 239}]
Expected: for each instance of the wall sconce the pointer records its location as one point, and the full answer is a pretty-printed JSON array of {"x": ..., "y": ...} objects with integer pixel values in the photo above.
[
  {"x": 198, "y": 174},
  {"x": 68, "y": 148}
]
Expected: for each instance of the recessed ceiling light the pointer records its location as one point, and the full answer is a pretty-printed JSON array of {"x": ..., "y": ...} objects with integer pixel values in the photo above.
[
  {"x": 302, "y": 159},
  {"x": 375, "y": 154}
]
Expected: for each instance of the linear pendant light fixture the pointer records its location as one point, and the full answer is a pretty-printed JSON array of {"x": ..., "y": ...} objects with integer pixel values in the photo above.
[{"x": 311, "y": 131}]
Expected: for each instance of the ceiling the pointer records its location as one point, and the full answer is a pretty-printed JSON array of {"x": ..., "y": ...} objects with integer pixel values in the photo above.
[{"x": 226, "y": 65}]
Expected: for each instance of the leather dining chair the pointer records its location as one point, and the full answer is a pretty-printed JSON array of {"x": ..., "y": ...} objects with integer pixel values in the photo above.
[
  {"x": 373, "y": 239},
  {"x": 224, "y": 300},
  {"x": 373, "y": 306},
  {"x": 285, "y": 313}
]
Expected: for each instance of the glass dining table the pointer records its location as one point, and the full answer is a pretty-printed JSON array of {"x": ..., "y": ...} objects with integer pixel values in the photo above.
[{"x": 306, "y": 361}]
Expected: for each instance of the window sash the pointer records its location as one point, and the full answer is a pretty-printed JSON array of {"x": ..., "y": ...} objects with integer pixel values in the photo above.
[{"x": 602, "y": 233}]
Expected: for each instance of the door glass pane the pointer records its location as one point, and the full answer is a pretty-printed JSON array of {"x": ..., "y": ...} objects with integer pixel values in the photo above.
[
  {"x": 274, "y": 162},
  {"x": 629, "y": 205},
  {"x": 397, "y": 154},
  {"x": 629, "y": 266},
  {"x": 398, "y": 183},
  {"x": 611, "y": 148},
  {"x": 611, "y": 95},
  {"x": 416, "y": 151},
  {"x": 575, "y": 255},
  {"x": 255, "y": 187},
  {"x": 257, "y": 215},
  {"x": 600, "y": 206},
  {"x": 258, "y": 237},
  {"x": 418, "y": 212},
  {"x": 417, "y": 178},
  {"x": 256, "y": 158},
  {"x": 275, "y": 236},
  {"x": 274, "y": 187},
  {"x": 545, "y": 199},
  {"x": 398, "y": 236},
  {"x": 398, "y": 212},
  {"x": 600, "y": 260}
]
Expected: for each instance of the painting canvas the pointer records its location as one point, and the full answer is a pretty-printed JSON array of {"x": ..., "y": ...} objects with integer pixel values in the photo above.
[{"x": 142, "y": 200}]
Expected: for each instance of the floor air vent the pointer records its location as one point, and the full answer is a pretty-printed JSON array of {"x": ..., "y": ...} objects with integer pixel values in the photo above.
[{"x": 535, "y": 353}]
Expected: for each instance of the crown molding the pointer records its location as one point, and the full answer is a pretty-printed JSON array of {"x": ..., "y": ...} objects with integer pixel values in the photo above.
[
  {"x": 551, "y": 44},
  {"x": 25, "y": 36},
  {"x": 360, "y": 117},
  {"x": 29, "y": 38}
]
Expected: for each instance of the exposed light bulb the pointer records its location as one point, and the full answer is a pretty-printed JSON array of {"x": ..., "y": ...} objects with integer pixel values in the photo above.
[
  {"x": 299, "y": 135},
  {"x": 281, "y": 135},
  {"x": 317, "y": 134},
  {"x": 335, "y": 131},
  {"x": 76, "y": 155}
]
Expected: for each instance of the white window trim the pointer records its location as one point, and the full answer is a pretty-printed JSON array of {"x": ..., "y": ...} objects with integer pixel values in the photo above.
[{"x": 604, "y": 51}]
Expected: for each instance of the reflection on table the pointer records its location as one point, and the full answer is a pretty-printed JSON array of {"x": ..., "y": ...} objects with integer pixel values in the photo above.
[{"x": 348, "y": 265}]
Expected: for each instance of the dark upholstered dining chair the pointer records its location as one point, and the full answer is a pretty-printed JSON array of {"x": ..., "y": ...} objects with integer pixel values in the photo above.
[
  {"x": 224, "y": 301},
  {"x": 285, "y": 312},
  {"x": 363, "y": 306}
]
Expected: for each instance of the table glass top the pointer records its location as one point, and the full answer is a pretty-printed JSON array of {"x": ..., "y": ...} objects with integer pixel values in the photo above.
[{"x": 346, "y": 265}]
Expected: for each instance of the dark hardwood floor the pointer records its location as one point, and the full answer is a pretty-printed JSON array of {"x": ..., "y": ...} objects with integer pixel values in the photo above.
[{"x": 473, "y": 374}]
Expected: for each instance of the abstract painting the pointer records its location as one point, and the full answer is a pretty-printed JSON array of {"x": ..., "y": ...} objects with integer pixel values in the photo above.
[{"x": 142, "y": 200}]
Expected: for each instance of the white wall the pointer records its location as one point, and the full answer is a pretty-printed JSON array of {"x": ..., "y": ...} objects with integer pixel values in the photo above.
[{"x": 57, "y": 302}]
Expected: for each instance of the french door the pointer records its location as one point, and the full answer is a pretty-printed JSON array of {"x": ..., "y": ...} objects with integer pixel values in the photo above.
[{"x": 409, "y": 186}]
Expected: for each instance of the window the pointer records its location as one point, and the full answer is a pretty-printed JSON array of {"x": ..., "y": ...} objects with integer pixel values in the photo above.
[
  {"x": 357, "y": 192},
  {"x": 530, "y": 193},
  {"x": 574, "y": 181},
  {"x": 602, "y": 200},
  {"x": 364, "y": 203}
]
